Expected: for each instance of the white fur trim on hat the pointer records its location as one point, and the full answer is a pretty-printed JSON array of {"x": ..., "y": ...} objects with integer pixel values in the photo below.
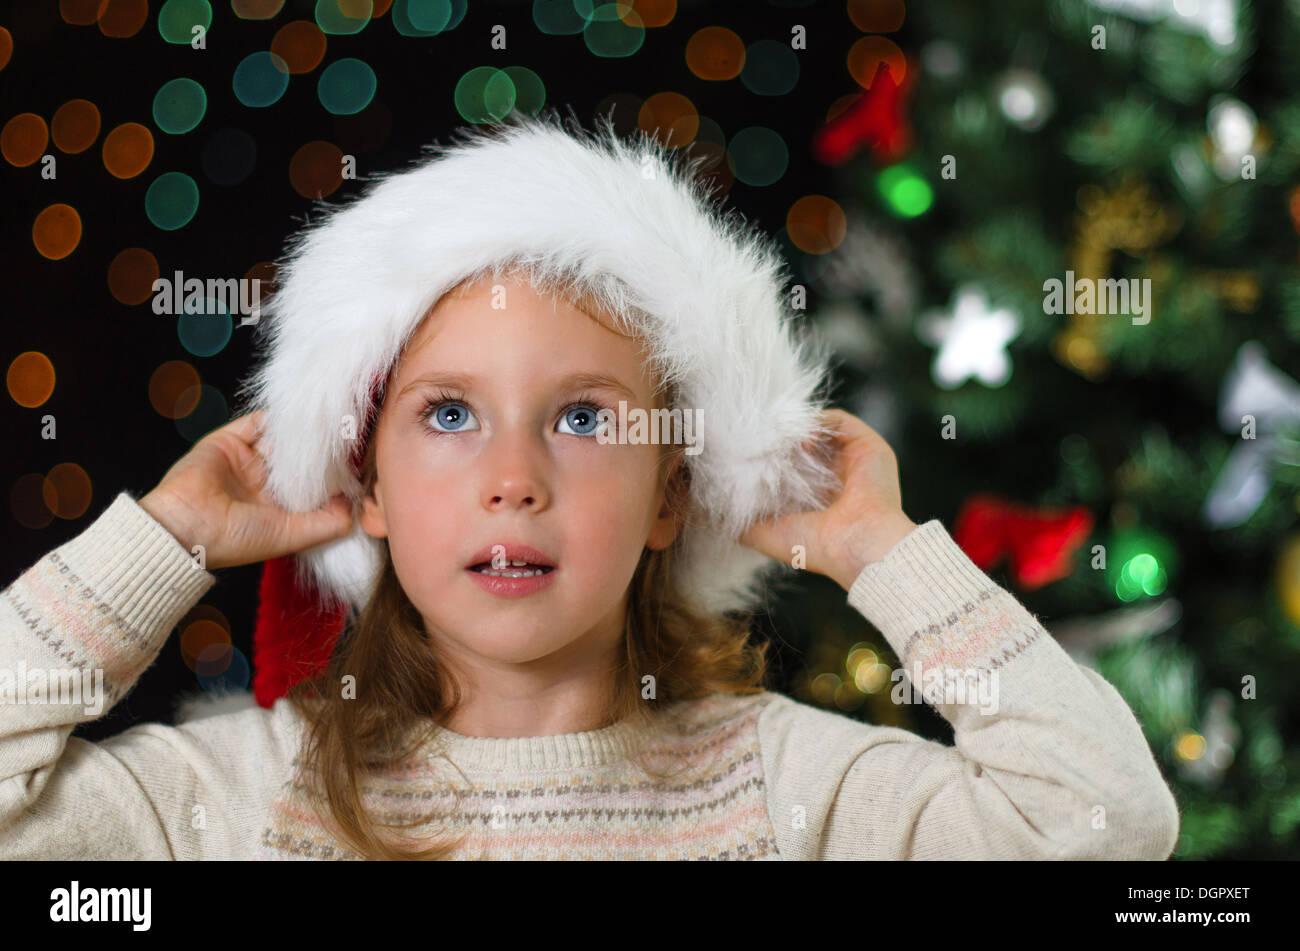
[{"x": 628, "y": 225}]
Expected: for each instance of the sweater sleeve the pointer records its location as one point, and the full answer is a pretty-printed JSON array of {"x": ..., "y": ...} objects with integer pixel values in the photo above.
[
  {"x": 77, "y": 630},
  {"x": 1048, "y": 760}
]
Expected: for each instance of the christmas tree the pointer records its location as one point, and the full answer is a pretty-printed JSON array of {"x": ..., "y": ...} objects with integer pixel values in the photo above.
[{"x": 1067, "y": 294}]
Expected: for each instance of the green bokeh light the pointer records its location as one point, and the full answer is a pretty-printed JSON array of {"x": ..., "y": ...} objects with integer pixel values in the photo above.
[
  {"x": 484, "y": 94},
  {"x": 334, "y": 21},
  {"x": 178, "y": 18},
  {"x": 346, "y": 87},
  {"x": 608, "y": 36},
  {"x": 427, "y": 17},
  {"x": 905, "y": 192},
  {"x": 172, "y": 201},
  {"x": 530, "y": 91},
  {"x": 560, "y": 17},
  {"x": 179, "y": 106}
]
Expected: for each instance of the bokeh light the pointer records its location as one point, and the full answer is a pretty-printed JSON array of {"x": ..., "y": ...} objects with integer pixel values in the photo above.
[
  {"x": 179, "y": 106},
  {"x": 67, "y": 490},
  {"x": 559, "y": 17},
  {"x": 199, "y": 635},
  {"x": 57, "y": 231},
  {"x": 877, "y": 16},
  {"x": 30, "y": 379},
  {"x": 716, "y": 53},
  {"x": 671, "y": 117},
  {"x": 172, "y": 201},
  {"x": 260, "y": 79},
  {"x": 815, "y": 224},
  {"x": 123, "y": 18},
  {"x": 484, "y": 94},
  {"x": 75, "y": 126},
  {"x": 343, "y": 17},
  {"x": 178, "y": 18},
  {"x": 27, "y": 501},
  {"x": 906, "y": 193},
  {"x": 131, "y": 274},
  {"x": 771, "y": 68},
  {"x": 229, "y": 156},
  {"x": 759, "y": 155},
  {"x": 316, "y": 169},
  {"x": 346, "y": 87},
  {"x": 653, "y": 13},
  {"x": 174, "y": 389},
  {"x": 210, "y": 412},
  {"x": 530, "y": 91},
  {"x": 256, "y": 9},
  {"x": 427, "y": 17},
  {"x": 6, "y": 47},
  {"x": 868, "y": 53},
  {"x": 128, "y": 150},
  {"x": 205, "y": 327},
  {"x": 81, "y": 12},
  {"x": 613, "y": 30},
  {"x": 23, "y": 139},
  {"x": 301, "y": 45},
  {"x": 226, "y": 672}
]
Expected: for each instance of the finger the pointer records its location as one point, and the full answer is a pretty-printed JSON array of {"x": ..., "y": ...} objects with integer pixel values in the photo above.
[
  {"x": 330, "y": 521},
  {"x": 246, "y": 427}
]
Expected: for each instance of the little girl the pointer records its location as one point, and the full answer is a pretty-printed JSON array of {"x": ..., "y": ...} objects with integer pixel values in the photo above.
[{"x": 496, "y": 621}]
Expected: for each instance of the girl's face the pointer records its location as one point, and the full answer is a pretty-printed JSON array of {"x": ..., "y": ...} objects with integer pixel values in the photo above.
[{"x": 486, "y": 439}]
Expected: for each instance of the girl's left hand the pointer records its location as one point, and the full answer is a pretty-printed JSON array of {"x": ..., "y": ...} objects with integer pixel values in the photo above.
[{"x": 860, "y": 525}]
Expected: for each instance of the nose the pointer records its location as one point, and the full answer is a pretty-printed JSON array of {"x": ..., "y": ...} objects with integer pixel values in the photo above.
[{"x": 514, "y": 475}]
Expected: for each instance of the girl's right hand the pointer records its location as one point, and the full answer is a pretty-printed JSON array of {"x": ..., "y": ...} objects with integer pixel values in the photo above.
[{"x": 215, "y": 496}]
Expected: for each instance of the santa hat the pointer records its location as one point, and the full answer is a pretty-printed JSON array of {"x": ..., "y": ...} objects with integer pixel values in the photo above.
[{"x": 630, "y": 225}]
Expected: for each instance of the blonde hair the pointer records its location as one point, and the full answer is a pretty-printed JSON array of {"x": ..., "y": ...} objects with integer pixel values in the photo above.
[{"x": 409, "y": 693}]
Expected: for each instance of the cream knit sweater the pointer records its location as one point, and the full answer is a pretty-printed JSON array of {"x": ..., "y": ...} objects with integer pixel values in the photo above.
[{"x": 1057, "y": 768}]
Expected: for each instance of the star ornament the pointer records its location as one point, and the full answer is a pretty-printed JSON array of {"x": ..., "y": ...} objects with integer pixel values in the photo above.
[{"x": 972, "y": 340}]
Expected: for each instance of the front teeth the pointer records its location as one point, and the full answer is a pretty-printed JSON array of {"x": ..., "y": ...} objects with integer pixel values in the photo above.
[{"x": 512, "y": 574}]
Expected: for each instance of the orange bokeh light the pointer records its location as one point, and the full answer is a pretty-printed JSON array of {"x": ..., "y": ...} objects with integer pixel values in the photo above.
[
  {"x": 75, "y": 126},
  {"x": 816, "y": 224},
  {"x": 131, "y": 275},
  {"x": 868, "y": 53},
  {"x": 715, "y": 53},
  {"x": 123, "y": 18},
  {"x": 67, "y": 490},
  {"x": 671, "y": 117},
  {"x": 301, "y": 45},
  {"x": 128, "y": 150},
  {"x": 174, "y": 389},
  {"x": 23, "y": 139},
  {"x": 316, "y": 169},
  {"x": 877, "y": 16},
  {"x": 57, "y": 231},
  {"x": 30, "y": 379}
]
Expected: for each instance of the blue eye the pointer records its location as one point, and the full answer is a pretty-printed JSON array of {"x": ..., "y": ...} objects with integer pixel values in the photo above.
[
  {"x": 453, "y": 416},
  {"x": 582, "y": 420}
]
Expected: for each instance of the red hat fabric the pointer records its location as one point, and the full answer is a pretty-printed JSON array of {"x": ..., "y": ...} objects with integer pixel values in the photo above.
[{"x": 297, "y": 626}]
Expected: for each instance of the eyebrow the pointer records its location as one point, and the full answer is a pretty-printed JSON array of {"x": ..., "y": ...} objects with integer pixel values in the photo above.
[{"x": 585, "y": 380}]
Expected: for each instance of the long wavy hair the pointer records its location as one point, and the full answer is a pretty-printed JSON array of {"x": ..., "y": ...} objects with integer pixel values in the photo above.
[{"x": 408, "y": 692}]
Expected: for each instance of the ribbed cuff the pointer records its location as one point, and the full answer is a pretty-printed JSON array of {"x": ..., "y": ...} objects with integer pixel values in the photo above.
[
  {"x": 136, "y": 568},
  {"x": 925, "y": 579}
]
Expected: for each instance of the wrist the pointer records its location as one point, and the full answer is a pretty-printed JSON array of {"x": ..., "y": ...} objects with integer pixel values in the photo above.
[
  {"x": 870, "y": 545},
  {"x": 166, "y": 512}
]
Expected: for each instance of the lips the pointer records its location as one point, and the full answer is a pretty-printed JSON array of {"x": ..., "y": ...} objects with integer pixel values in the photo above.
[{"x": 531, "y": 557}]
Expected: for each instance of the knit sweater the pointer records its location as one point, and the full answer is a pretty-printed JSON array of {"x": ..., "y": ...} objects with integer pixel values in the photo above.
[{"x": 1058, "y": 768}]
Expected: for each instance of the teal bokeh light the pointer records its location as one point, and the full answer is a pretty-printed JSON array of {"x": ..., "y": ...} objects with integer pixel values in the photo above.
[
  {"x": 346, "y": 87},
  {"x": 171, "y": 201},
  {"x": 260, "y": 79},
  {"x": 179, "y": 106}
]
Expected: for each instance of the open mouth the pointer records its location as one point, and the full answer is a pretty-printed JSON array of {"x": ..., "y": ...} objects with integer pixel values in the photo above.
[{"x": 516, "y": 569}]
